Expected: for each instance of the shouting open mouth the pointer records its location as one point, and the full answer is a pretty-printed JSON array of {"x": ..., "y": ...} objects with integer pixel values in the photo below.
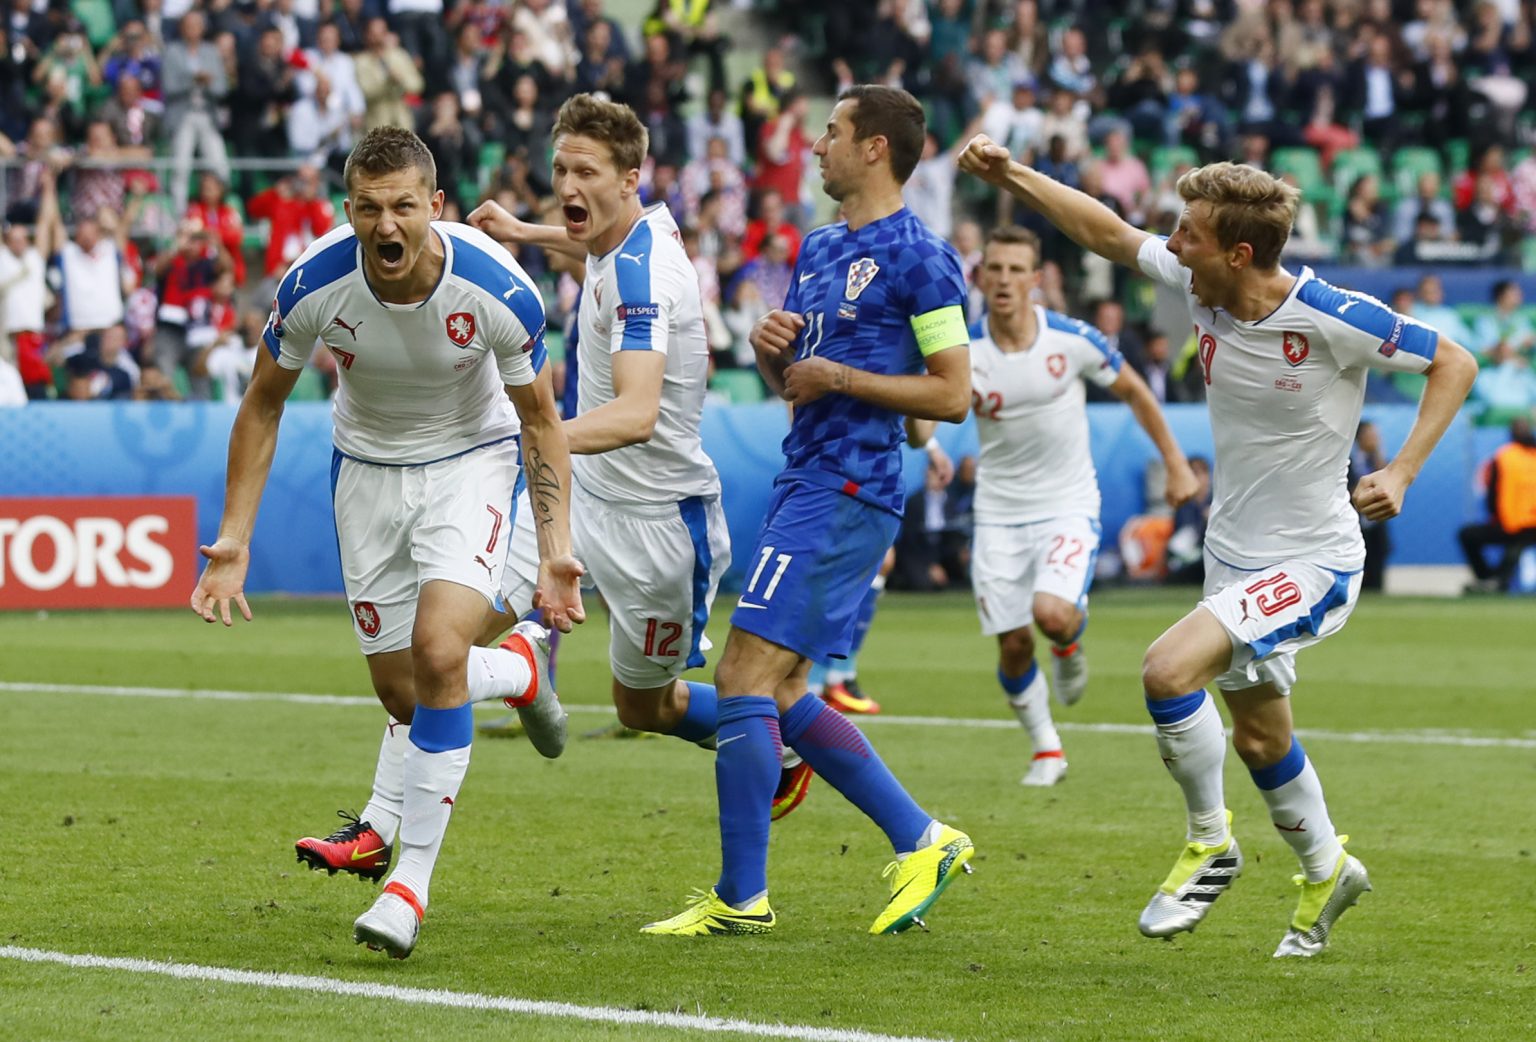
[
  {"x": 391, "y": 255},
  {"x": 576, "y": 218}
]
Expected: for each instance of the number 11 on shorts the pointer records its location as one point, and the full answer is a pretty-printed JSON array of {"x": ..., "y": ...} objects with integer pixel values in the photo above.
[{"x": 778, "y": 573}]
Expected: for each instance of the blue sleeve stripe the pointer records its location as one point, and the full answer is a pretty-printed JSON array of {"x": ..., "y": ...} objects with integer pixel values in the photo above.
[
  {"x": 1066, "y": 324},
  {"x": 274, "y": 345},
  {"x": 517, "y": 294},
  {"x": 632, "y": 271},
  {"x": 307, "y": 275},
  {"x": 540, "y": 354},
  {"x": 1372, "y": 317}
]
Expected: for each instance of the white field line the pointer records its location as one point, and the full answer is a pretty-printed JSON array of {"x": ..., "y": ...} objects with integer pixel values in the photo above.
[
  {"x": 977, "y": 723},
  {"x": 455, "y": 999}
]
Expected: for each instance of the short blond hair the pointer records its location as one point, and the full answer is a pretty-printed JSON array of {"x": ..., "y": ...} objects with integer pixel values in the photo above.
[
  {"x": 615, "y": 125},
  {"x": 1247, "y": 205}
]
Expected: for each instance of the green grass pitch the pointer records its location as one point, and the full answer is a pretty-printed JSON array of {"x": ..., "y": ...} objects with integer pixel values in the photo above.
[{"x": 162, "y": 829}]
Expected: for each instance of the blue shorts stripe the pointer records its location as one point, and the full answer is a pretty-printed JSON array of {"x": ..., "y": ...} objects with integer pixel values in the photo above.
[
  {"x": 1337, "y": 595},
  {"x": 1093, "y": 561},
  {"x": 697, "y": 520}
]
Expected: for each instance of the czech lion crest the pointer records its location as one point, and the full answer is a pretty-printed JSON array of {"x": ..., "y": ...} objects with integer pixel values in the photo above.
[{"x": 461, "y": 328}]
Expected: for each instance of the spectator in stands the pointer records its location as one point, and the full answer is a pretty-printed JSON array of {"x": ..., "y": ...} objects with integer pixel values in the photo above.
[
  {"x": 1124, "y": 177},
  {"x": 1186, "y": 543},
  {"x": 420, "y": 32},
  {"x": 134, "y": 119},
  {"x": 336, "y": 65},
  {"x": 1324, "y": 132},
  {"x": 526, "y": 125},
  {"x": 298, "y": 28},
  {"x": 1140, "y": 94},
  {"x": 771, "y": 221},
  {"x": 351, "y": 18},
  {"x": 717, "y": 121},
  {"x": 13, "y": 393},
  {"x": 220, "y": 217},
  {"x": 186, "y": 273},
  {"x": 23, "y": 299},
  {"x": 132, "y": 53},
  {"x": 762, "y": 95},
  {"x": 933, "y": 545},
  {"x": 92, "y": 275},
  {"x": 1508, "y": 383},
  {"x": 1015, "y": 120},
  {"x": 68, "y": 61},
  {"x": 1367, "y": 239},
  {"x": 1377, "y": 91},
  {"x": 1193, "y": 117},
  {"x": 195, "y": 83},
  {"x": 319, "y": 125},
  {"x": 263, "y": 92},
  {"x": 666, "y": 132},
  {"x": 1067, "y": 119},
  {"x": 386, "y": 74},
  {"x": 108, "y": 373},
  {"x": 549, "y": 35},
  {"x": 1071, "y": 67},
  {"x": 781, "y": 151},
  {"x": 1253, "y": 88},
  {"x": 994, "y": 70},
  {"x": 1058, "y": 163},
  {"x": 1507, "y": 325},
  {"x": 1487, "y": 165},
  {"x": 712, "y": 170},
  {"x": 598, "y": 68},
  {"x": 18, "y": 57},
  {"x": 1366, "y": 457},
  {"x": 1429, "y": 307},
  {"x": 1426, "y": 200},
  {"x": 455, "y": 146},
  {"x": 1511, "y": 526},
  {"x": 695, "y": 28},
  {"x": 588, "y": 13},
  {"x": 1486, "y": 223},
  {"x": 98, "y": 181},
  {"x": 231, "y": 357},
  {"x": 296, "y": 214}
]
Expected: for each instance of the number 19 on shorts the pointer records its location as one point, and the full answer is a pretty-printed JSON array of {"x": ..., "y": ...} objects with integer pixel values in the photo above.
[{"x": 779, "y": 561}]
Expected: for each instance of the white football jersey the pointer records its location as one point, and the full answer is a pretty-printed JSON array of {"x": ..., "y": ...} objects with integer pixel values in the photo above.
[
  {"x": 418, "y": 382},
  {"x": 1285, "y": 395},
  {"x": 1032, "y": 424},
  {"x": 644, "y": 296}
]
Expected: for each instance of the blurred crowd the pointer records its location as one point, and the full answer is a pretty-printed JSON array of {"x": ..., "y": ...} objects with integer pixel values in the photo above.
[{"x": 142, "y": 243}]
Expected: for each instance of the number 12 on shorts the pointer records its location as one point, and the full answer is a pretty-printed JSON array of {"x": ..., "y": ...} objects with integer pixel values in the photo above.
[{"x": 778, "y": 572}]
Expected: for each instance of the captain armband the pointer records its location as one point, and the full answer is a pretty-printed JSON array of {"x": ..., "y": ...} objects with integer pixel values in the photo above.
[{"x": 940, "y": 329}]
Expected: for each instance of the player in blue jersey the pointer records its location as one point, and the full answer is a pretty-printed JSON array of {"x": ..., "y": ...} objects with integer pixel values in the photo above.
[
  {"x": 439, "y": 338},
  {"x": 873, "y": 330}
]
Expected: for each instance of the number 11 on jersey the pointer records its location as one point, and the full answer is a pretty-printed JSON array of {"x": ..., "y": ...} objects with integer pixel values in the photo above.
[{"x": 778, "y": 573}]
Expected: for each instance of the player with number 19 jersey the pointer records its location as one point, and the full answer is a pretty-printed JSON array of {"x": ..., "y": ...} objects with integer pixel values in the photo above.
[
  {"x": 1283, "y": 547},
  {"x": 878, "y": 299}
]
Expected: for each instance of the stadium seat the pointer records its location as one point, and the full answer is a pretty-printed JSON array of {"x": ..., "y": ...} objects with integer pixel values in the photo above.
[
  {"x": 1408, "y": 164},
  {"x": 1458, "y": 153},
  {"x": 1304, "y": 165},
  {"x": 741, "y": 386},
  {"x": 310, "y": 387},
  {"x": 1351, "y": 164},
  {"x": 1166, "y": 160}
]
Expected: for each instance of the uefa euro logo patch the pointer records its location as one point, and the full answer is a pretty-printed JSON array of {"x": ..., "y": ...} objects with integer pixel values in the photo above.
[{"x": 860, "y": 274}]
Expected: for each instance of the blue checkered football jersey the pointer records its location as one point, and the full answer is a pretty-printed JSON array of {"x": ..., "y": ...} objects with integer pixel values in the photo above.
[{"x": 858, "y": 292}]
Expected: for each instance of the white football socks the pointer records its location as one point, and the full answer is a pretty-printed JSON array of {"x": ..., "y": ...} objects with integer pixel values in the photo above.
[
  {"x": 497, "y": 673},
  {"x": 1033, "y": 708},
  {"x": 1300, "y": 815},
  {"x": 1193, "y": 749},
  {"x": 432, "y": 783},
  {"x": 384, "y": 806}
]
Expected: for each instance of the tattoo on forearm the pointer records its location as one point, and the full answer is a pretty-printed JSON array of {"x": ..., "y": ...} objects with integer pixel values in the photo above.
[
  {"x": 842, "y": 378},
  {"x": 543, "y": 487}
]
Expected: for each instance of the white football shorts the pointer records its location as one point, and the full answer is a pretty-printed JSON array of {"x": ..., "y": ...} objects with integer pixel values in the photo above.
[
  {"x": 1010, "y": 564},
  {"x": 400, "y": 527},
  {"x": 657, "y": 567},
  {"x": 1273, "y": 613}
]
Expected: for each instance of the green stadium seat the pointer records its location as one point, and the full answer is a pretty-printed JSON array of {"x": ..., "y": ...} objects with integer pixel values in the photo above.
[
  {"x": 309, "y": 388},
  {"x": 1304, "y": 165},
  {"x": 1165, "y": 160},
  {"x": 1458, "y": 153},
  {"x": 1471, "y": 312},
  {"x": 1409, "y": 163},
  {"x": 1351, "y": 164},
  {"x": 741, "y": 386}
]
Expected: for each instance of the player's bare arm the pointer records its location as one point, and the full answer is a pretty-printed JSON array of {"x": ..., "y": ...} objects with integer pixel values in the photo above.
[
  {"x": 493, "y": 219},
  {"x": 942, "y": 393},
  {"x": 547, "y": 469},
  {"x": 1082, "y": 218},
  {"x": 1379, "y": 496},
  {"x": 630, "y": 418},
  {"x": 920, "y": 435},
  {"x": 773, "y": 338},
  {"x": 1130, "y": 388},
  {"x": 252, "y": 441}
]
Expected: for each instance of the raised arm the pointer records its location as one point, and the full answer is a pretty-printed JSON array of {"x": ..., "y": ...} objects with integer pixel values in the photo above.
[
  {"x": 252, "y": 442},
  {"x": 493, "y": 219},
  {"x": 1379, "y": 496},
  {"x": 1130, "y": 388},
  {"x": 1080, "y": 217}
]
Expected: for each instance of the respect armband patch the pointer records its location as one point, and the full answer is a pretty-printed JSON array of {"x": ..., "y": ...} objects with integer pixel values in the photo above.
[{"x": 940, "y": 328}]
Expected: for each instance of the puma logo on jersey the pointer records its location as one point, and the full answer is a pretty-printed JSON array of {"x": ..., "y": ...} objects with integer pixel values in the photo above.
[
  {"x": 636, "y": 257},
  {"x": 1346, "y": 306},
  {"x": 1243, "y": 603},
  {"x": 350, "y": 329},
  {"x": 298, "y": 280},
  {"x": 513, "y": 291}
]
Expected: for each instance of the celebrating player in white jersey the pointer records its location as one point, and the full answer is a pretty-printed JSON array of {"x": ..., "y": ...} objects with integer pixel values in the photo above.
[
  {"x": 1037, "y": 495},
  {"x": 434, "y": 329},
  {"x": 647, "y": 519},
  {"x": 1284, "y": 358}
]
